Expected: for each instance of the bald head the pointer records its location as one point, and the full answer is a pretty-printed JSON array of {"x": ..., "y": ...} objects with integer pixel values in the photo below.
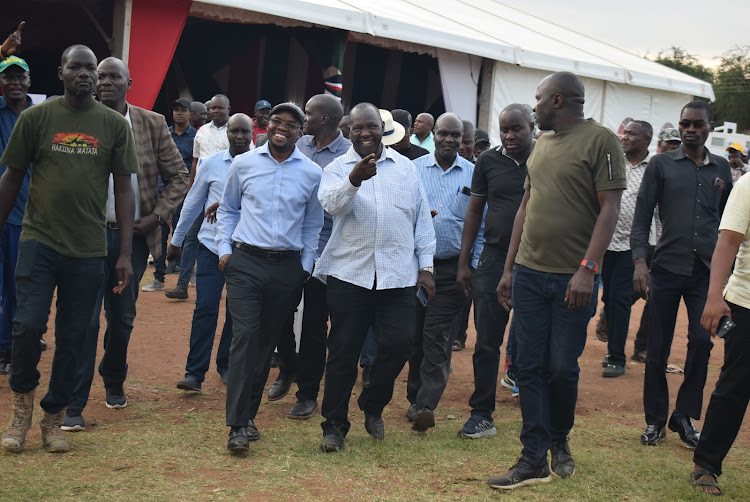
[
  {"x": 239, "y": 133},
  {"x": 449, "y": 120},
  {"x": 449, "y": 130},
  {"x": 423, "y": 125},
  {"x": 559, "y": 101},
  {"x": 323, "y": 113},
  {"x": 115, "y": 63},
  {"x": 219, "y": 110},
  {"x": 78, "y": 74},
  {"x": 78, "y": 48},
  {"x": 568, "y": 85},
  {"x": 112, "y": 83}
]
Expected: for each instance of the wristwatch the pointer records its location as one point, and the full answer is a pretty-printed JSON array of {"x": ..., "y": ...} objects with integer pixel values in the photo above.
[
  {"x": 431, "y": 270},
  {"x": 589, "y": 265}
]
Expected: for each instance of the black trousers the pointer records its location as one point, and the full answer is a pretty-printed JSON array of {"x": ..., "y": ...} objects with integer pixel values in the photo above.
[
  {"x": 490, "y": 319},
  {"x": 312, "y": 345},
  {"x": 617, "y": 277},
  {"x": 641, "y": 337},
  {"x": 261, "y": 294},
  {"x": 463, "y": 324},
  {"x": 730, "y": 398},
  {"x": 665, "y": 293},
  {"x": 353, "y": 309},
  {"x": 430, "y": 361}
]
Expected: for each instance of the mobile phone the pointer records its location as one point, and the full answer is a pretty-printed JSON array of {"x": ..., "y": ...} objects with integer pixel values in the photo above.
[
  {"x": 725, "y": 326},
  {"x": 422, "y": 295}
]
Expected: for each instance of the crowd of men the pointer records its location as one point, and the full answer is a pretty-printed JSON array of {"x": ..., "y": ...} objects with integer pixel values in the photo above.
[{"x": 390, "y": 230}]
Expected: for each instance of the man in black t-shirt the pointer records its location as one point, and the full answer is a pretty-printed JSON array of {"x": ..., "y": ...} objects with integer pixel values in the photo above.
[
  {"x": 498, "y": 183},
  {"x": 405, "y": 147}
]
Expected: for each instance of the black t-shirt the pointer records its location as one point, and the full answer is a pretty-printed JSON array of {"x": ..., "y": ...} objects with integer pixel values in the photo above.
[
  {"x": 500, "y": 179},
  {"x": 413, "y": 152}
]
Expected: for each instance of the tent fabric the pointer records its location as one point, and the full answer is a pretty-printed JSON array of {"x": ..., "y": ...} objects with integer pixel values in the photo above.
[
  {"x": 483, "y": 28},
  {"x": 155, "y": 31},
  {"x": 459, "y": 74}
]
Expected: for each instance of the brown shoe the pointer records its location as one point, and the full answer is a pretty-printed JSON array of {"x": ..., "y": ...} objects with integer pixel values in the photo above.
[
  {"x": 53, "y": 438},
  {"x": 14, "y": 436},
  {"x": 601, "y": 327}
]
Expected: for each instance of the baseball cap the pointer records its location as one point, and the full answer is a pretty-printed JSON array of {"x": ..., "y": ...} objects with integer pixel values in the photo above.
[
  {"x": 669, "y": 134},
  {"x": 13, "y": 60},
  {"x": 291, "y": 108},
  {"x": 481, "y": 136},
  {"x": 184, "y": 102},
  {"x": 738, "y": 147},
  {"x": 260, "y": 105}
]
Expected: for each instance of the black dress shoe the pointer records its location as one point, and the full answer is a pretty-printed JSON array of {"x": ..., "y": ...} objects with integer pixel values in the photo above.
[
  {"x": 303, "y": 409},
  {"x": 423, "y": 420},
  {"x": 332, "y": 442},
  {"x": 189, "y": 383},
  {"x": 238, "y": 439},
  {"x": 374, "y": 426},
  {"x": 280, "y": 388},
  {"x": 653, "y": 435},
  {"x": 252, "y": 431},
  {"x": 683, "y": 425},
  {"x": 411, "y": 412}
]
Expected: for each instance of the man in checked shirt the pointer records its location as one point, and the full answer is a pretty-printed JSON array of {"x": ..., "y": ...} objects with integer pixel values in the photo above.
[{"x": 382, "y": 244}]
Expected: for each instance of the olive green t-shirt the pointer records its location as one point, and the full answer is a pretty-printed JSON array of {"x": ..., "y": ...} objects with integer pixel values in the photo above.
[
  {"x": 71, "y": 154},
  {"x": 565, "y": 171}
]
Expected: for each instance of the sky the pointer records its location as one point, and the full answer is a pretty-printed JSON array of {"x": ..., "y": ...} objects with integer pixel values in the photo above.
[{"x": 645, "y": 27}]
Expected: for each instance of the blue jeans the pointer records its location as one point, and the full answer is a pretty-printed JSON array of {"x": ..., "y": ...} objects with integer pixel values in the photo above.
[
  {"x": 78, "y": 280},
  {"x": 189, "y": 252},
  {"x": 209, "y": 283},
  {"x": 9, "y": 238},
  {"x": 119, "y": 311},
  {"x": 549, "y": 340}
]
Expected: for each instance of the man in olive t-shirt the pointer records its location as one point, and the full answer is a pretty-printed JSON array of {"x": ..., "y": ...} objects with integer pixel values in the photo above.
[
  {"x": 73, "y": 144},
  {"x": 576, "y": 175}
]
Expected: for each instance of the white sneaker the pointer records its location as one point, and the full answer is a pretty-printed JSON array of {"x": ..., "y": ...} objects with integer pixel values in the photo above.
[{"x": 155, "y": 285}]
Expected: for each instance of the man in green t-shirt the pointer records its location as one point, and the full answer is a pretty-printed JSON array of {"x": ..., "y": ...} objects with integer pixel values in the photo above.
[
  {"x": 575, "y": 178},
  {"x": 72, "y": 144}
]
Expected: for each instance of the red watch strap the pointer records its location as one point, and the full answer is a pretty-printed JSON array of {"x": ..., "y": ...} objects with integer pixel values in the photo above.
[{"x": 585, "y": 263}]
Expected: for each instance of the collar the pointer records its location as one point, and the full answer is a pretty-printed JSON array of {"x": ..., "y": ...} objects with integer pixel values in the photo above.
[
  {"x": 641, "y": 163},
  {"x": 211, "y": 124},
  {"x": 425, "y": 140},
  {"x": 501, "y": 149},
  {"x": 226, "y": 155},
  {"x": 187, "y": 131},
  {"x": 4, "y": 103},
  {"x": 351, "y": 155},
  {"x": 127, "y": 115},
  {"x": 681, "y": 154},
  {"x": 264, "y": 150},
  {"x": 432, "y": 162},
  {"x": 333, "y": 146}
]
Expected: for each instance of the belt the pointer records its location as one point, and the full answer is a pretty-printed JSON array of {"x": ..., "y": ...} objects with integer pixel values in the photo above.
[
  {"x": 112, "y": 226},
  {"x": 267, "y": 254},
  {"x": 444, "y": 260}
]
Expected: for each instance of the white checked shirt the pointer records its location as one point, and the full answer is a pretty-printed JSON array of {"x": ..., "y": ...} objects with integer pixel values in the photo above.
[
  {"x": 210, "y": 140},
  {"x": 381, "y": 229},
  {"x": 621, "y": 238}
]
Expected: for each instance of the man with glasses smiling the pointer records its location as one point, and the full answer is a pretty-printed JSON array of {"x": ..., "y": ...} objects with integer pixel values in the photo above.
[
  {"x": 268, "y": 225},
  {"x": 691, "y": 187}
]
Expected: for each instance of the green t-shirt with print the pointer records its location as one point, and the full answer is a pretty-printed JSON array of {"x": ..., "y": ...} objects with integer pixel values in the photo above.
[
  {"x": 564, "y": 173},
  {"x": 71, "y": 154}
]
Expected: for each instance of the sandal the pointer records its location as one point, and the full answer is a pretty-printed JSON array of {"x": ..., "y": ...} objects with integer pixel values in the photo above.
[{"x": 700, "y": 483}]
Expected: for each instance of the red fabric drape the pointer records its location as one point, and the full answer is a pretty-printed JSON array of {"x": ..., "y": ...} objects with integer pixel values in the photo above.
[{"x": 155, "y": 30}]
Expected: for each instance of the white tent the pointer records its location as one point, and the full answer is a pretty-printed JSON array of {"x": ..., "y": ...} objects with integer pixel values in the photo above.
[{"x": 523, "y": 49}]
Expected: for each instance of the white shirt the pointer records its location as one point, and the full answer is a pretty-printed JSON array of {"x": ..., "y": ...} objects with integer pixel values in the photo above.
[
  {"x": 210, "y": 140},
  {"x": 111, "y": 214}
]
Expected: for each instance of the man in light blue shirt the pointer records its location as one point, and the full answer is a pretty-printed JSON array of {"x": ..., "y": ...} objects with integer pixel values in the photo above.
[
  {"x": 423, "y": 132},
  {"x": 446, "y": 177},
  {"x": 268, "y": 226},
  {"x": 381, "y": 246},
  {"x": 205, "y": 193}
]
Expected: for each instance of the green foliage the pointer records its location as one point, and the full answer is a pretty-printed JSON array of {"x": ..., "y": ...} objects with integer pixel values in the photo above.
[{"x": 680, "y": 60}]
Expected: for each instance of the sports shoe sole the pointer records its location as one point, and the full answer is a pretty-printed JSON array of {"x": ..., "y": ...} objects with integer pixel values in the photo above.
[
  {"x": 478, "y": 435},
  {"x": 72, "y": 428},
  {"x": 115, "y": 406},
  {"x": 525, "y": 482},
  {"x": 507, "y": 384},
  {"x": 176, "y": 296}
]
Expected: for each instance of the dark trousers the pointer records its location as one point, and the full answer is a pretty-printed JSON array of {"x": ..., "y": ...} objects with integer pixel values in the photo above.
[
  {"x": 78, "y": 280},
  {"x": 463, "y": 324},
  {"x": 189, "y": 252},
  {"x": 9, "y": 239},
  {"x": 665, "y": 293},
  {"x": 640, "y": 343},
  {"x": 312, "y": 345},
  {"x": 550, "y": 339},
  {"x": 119, "y": 311},
  {"x": 490, "y": 319},
  {"x": 287, "y": 349},
  {"x": 430, "y": 361},
  {"x": 160, "y": 263},
  {"x": 617, "y": 277},
  {"x": 261, "y": 294},
  {"x": 730, "y": 398},
  {"x": 353, "y": 309},
  {"x": 209, "y": 285},
  {"x": 369, "y": 348}
]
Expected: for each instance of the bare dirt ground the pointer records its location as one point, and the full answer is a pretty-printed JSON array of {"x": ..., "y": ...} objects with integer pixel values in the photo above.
[{"x": 159, "y": 347}]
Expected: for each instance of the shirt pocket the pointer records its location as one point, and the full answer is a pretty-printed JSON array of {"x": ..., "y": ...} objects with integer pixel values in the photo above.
[{"x": 459, "y": 205}]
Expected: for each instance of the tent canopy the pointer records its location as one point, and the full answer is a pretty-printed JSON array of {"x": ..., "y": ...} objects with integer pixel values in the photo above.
[{"x": 483, "y": 28}]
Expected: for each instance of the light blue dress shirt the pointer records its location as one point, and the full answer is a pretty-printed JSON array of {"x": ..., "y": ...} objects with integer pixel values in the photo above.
[
  {"x": 380, "y": 229},
  {"x": 323, "y": 157},
  {"x": 444, "y": 195},
  {"x": 428, "y": 144},
  {"x": 270, "y": 205},
  {"x": 206, "y": 190}
]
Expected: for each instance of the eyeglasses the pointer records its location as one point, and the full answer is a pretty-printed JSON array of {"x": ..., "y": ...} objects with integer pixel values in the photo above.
[{"x": 289, "y": 125}]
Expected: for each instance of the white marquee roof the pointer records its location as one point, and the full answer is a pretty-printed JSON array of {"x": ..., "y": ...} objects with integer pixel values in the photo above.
[{"x": 485, "y": 28}]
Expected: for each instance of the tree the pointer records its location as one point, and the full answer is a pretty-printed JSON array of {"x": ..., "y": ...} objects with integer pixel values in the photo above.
[
  {"x": 732, "y": 87},
  {"x": 680, "y": 60}
]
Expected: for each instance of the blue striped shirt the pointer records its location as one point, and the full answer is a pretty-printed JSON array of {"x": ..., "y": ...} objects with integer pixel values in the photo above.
[
  {"x": 445, "y": 195},
  {"x": 206, "y": 190},
  {"x": 381, "y": 228},
  {"x": 270, "y": 205}
]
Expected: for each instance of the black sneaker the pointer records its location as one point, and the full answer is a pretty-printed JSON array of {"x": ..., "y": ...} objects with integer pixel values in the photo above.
[
  {"x": 115, "y": 397},
  {"x": 178, "y": 293},
  {"x": 73, "y": 421},
  {"x": 521, "y": 474},
  {"x": 561, "y": 461}
]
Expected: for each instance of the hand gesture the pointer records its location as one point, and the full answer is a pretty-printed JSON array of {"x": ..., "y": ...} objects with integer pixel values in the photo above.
[
  {"x": 12, "y": 44},
  {"x": 364, "y": 170}
]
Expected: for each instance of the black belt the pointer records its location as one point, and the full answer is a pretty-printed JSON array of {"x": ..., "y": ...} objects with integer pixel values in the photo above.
[
  {"x": 112, "y": 226},
  {"x": 267, "y": 254}
]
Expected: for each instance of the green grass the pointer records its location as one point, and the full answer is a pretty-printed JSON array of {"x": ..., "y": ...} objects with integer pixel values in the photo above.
[{"x": 163, "y": 453}]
